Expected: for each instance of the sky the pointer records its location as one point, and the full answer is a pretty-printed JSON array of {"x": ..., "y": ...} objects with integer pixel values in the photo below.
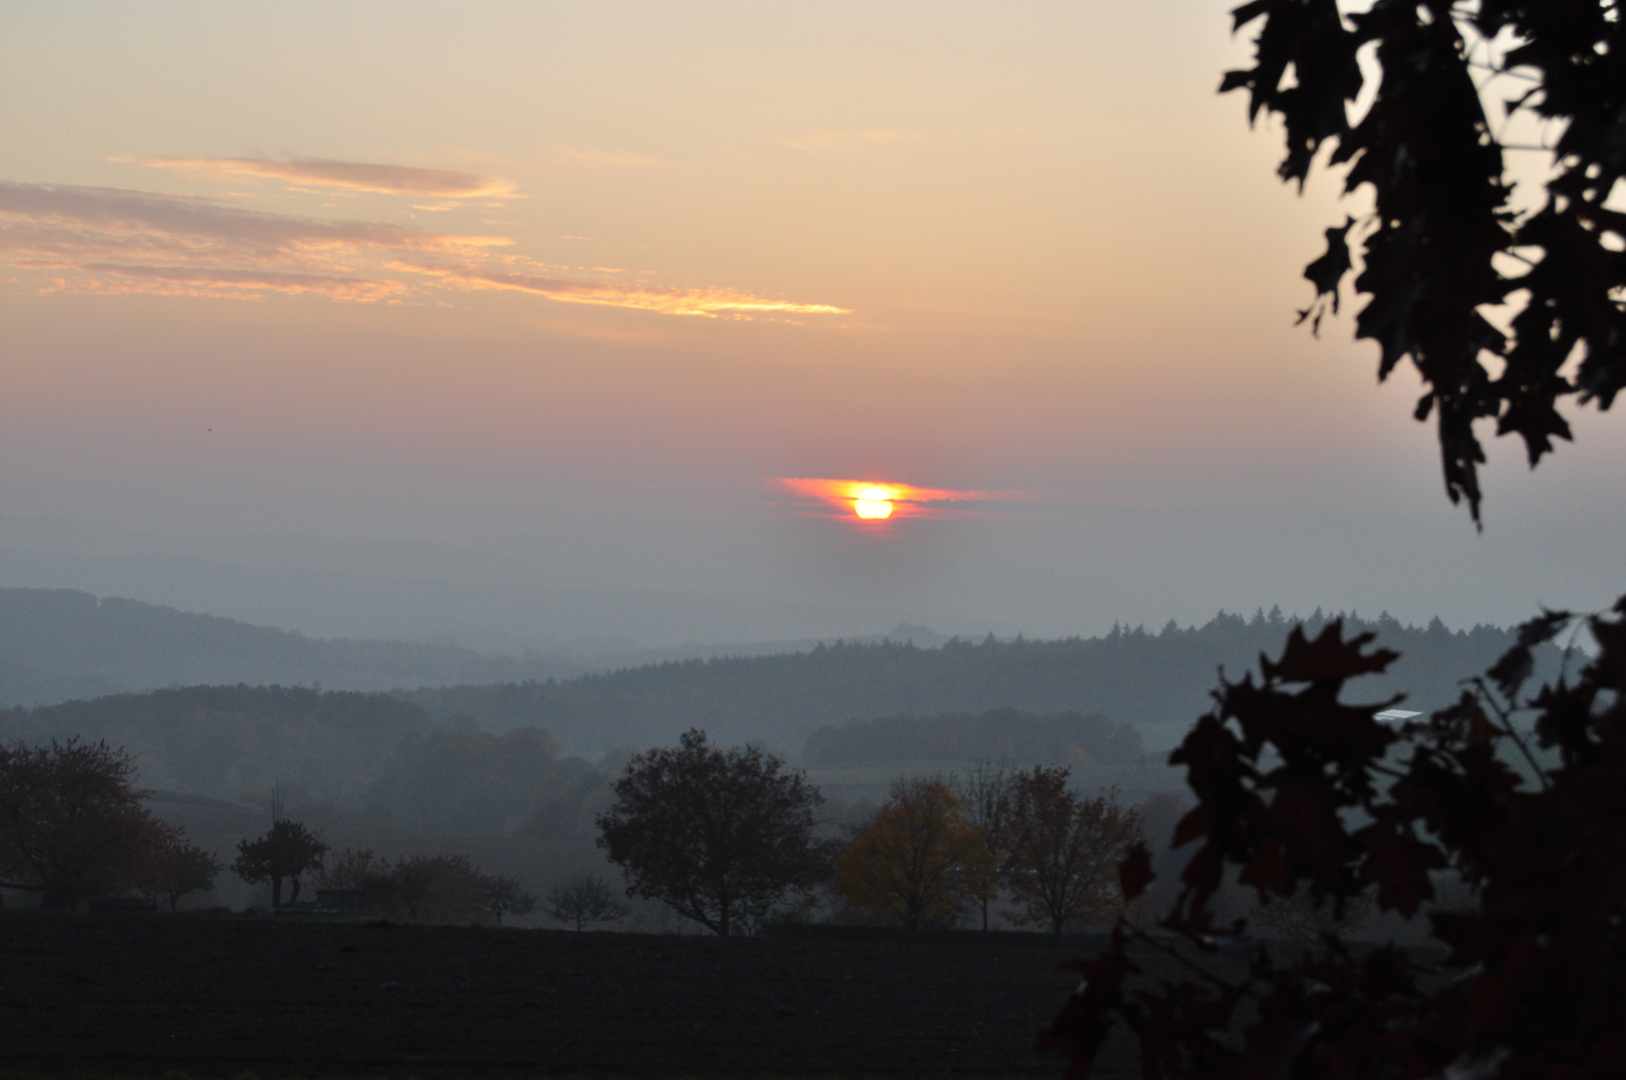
[{"x": 542, "y": 302}]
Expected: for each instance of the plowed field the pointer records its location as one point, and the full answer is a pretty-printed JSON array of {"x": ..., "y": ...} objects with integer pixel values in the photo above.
[{"x": 139, "y": 995}]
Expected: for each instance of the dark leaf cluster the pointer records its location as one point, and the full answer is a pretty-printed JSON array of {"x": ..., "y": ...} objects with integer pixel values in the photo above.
[
  {"x": 1301, "y": 793},
  {"x": 1443, "y": 244}
]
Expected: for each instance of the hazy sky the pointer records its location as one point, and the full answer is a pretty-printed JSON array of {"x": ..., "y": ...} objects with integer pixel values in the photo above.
[{"x": 570, "y": 284}]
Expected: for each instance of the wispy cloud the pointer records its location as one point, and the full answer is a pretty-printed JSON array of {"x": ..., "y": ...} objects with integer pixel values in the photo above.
[
  {"x": 348, "y": 175},
  {"x": 113, "y": 278},
  {"x": 112, "y": 240},
  {"x": 707, "y": 303},
  {"x": 826, "y": 142}
]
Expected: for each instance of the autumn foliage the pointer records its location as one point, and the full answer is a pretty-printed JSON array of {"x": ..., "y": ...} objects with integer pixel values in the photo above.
[{"x": 920, "y": 858}]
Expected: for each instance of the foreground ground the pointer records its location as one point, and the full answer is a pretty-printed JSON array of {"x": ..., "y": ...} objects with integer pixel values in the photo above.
[{"x": 139, "y": 995}]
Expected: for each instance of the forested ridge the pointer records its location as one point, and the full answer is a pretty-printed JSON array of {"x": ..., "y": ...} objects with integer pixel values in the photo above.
[
  {"x": 1157, "y": 681},
  {"x": 58, "y": 644}
]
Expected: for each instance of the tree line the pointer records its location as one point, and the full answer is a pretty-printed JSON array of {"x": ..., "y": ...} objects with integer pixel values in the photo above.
[
  {"x": 418, "y": 760},
  {"x": 728, "y": 838},
  {"x": 1154, "y": 681}
]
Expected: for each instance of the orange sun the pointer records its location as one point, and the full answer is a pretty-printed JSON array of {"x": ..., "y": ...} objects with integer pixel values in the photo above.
[{"x": 874, "y": 503}]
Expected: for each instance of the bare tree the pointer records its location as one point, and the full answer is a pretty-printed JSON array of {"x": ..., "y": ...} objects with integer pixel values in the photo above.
[
  {"x": 504, "y": 895},
  {"x": 1066, "y": 849},
  {"x": 585, "y": 898},
  {"x": 985, "y": 792}
]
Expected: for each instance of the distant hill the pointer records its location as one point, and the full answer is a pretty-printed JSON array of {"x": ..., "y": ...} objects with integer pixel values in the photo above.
[
  {"x": 1158, "y": 682},
  {"x": 59, "y": 644}
]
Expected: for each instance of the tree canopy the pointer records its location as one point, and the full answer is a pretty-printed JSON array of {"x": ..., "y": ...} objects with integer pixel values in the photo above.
[
  {"x": 722, "y": 836},
  {"x": 287, "y": 851}
]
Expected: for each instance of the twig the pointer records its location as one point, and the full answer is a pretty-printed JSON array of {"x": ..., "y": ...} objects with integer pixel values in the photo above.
[
  {"x": 1504, "y": 718},
  {"x": 1137, "y": 933}
]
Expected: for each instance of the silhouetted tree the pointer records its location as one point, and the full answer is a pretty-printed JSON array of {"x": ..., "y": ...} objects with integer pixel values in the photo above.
[
  {"x": 71, "y": 824},
  {"x": 722, "y": 836},
  {"x": 445, "y": 888},
  {"x": 349, "y": 868},
  {"x": 287, "y": 851},
  {"x": 585, "y": 898},
  {"x": 504, "y": 895},
  {"x": 177, "y": 869},
  {"x": 1064, "y": 851},
  {"x": 919, "y": 858}
]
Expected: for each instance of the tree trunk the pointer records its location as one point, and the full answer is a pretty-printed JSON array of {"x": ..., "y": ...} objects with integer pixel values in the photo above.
[{"x": 293, "y": 897}]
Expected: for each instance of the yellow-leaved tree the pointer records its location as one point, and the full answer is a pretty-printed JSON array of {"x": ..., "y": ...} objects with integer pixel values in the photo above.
[{"x": 919, "y": 858}]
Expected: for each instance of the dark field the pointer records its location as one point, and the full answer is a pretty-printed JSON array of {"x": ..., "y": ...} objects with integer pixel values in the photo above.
[{"x": 134, "y": 995}]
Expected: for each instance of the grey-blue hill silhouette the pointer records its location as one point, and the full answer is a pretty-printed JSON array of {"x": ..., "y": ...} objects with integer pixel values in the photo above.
[
  {"x": 58, "y": 644},
  {"x": 1158, "y": 682},
  {"x": 62, "y": 644}
]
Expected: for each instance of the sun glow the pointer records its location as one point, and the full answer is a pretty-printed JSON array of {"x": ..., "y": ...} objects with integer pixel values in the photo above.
[
  {"x": 874, "y": 503},
  {"x": 869, "y": 501}
]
